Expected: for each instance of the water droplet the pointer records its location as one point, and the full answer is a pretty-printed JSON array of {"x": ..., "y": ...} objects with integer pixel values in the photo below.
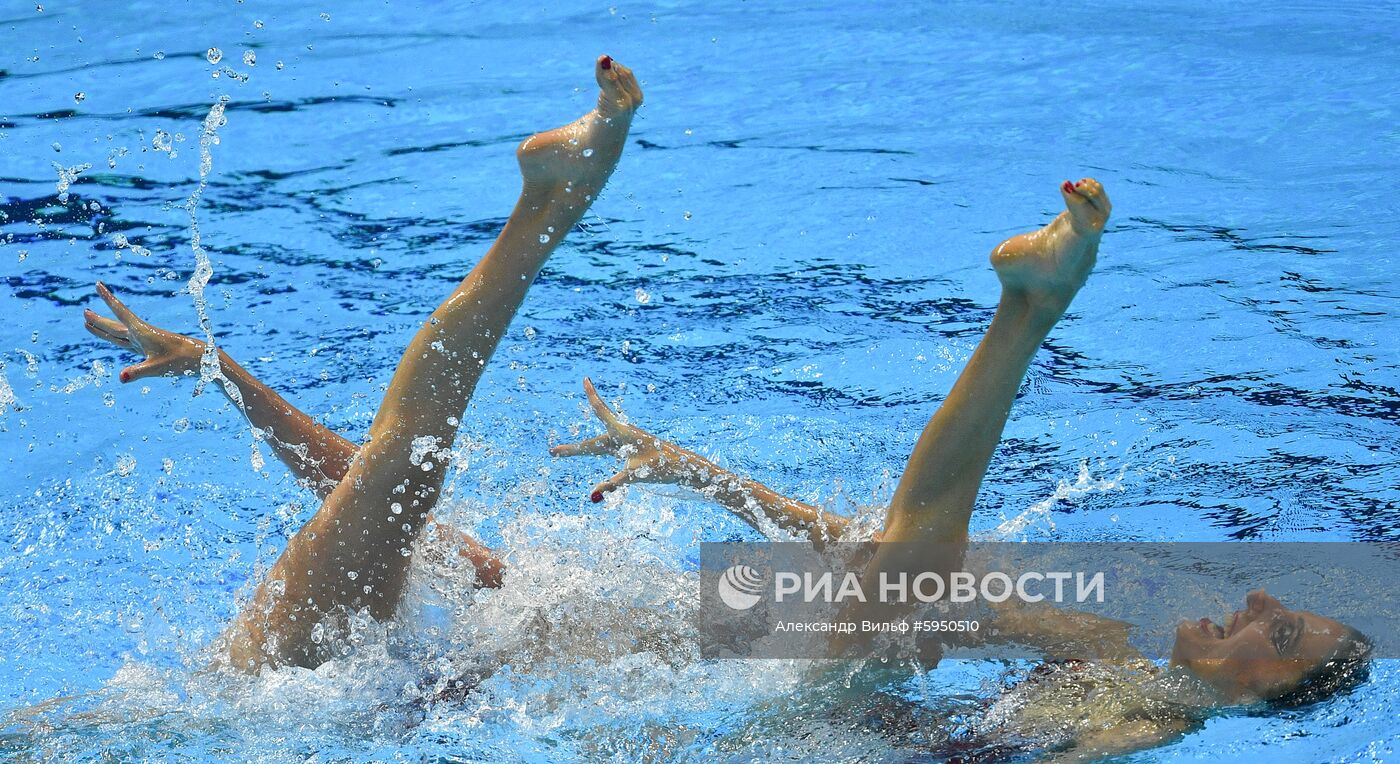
[
  {"x": 588, "y": 152},
  {"x": 162, "y": 141},
  {"x": 686, "y": 215},
  {"x": 642, "y": 296},
  {"x": 57, "y": 146},
  {"x": 258, "y": 24},
  {"x": 250, "y": 58},
  {"x": 280, "y": 65},
  {"x": 352, "y": 575},
  {"x": 325, "y": 17},
  {"x": 79, "y": 96},
  {"x": 214, "y": 55},
  {"x": 159, "y": 55},
  {"x": 23, "y": 253},
  {"x": 126, "y": 464},
  {"x": 544, "y": 238},
  {"x": 396, "y": 508},
  {"x": 530, "y": 332}
]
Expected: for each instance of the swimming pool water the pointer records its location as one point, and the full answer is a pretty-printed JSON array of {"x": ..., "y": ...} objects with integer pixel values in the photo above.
[{"x": 786, "y": 272}]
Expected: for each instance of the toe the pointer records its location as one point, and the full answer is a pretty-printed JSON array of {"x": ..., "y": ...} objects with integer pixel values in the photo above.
[
  {"x": 1093, "y": 192},
  {"x": 605, "y": 70},
  {"x": 620, "y": 93},
  {"x": 629, "y": 83}
]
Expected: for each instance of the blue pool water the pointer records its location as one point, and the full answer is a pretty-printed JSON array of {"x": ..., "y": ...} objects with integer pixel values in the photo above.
[{"x": 786, "y": 272}]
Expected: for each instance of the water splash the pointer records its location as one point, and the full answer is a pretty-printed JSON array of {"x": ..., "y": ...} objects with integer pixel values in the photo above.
[
  {"x": 209, "y": 367},
  {"x": 1039, "y": 514},
  {"x": 8, "y": 400},
  {"x": 95, "y": 378},
  {"x": 67, "y": 176}
]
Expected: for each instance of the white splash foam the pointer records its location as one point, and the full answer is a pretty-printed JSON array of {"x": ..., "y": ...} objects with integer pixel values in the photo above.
[
  {"x": 8, "y": 399},
  {"x": 1038, "y": 514}
]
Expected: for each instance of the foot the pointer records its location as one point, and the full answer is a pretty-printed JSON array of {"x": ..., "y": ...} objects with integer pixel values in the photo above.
[
  {"x": 577, "y": 158},
  {"x": 1047, "y": 267}
]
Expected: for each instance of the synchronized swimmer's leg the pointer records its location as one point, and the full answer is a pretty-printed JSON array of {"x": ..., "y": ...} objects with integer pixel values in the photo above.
[
  {"x": 355, "y": 552},
  {"x": 1040, "y": 273},
  {"x": 927, "y": 522}
]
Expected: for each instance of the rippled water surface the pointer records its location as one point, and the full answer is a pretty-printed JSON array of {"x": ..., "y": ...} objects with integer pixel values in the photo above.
[{"x": 786, "y": 273}]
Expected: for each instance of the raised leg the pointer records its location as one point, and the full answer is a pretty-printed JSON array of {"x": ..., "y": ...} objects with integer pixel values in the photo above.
[
  {"x": 355, "y": 552},
  {"x": 1040, "y": 273}
]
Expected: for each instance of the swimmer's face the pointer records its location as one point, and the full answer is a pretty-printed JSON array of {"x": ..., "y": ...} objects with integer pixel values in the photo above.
[{"x": 1261, "y": 652}]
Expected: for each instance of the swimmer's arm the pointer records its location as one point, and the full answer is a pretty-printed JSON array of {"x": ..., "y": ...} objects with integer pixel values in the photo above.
[
  {"x": 653, "y": 460},
  {"x": 317, "y": 455},
  {"x": 1127, "y": 737},
  {"x": 1060, "y": 633}
]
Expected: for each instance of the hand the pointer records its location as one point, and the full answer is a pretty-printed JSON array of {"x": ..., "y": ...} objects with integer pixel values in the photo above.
[
  {"x": 167, "y": 353},
  {"x": 649, "y": 458}
]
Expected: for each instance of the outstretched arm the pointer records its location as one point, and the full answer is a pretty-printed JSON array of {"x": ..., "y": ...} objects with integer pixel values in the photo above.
[
  {"x": 317, "y": 455},
  {"x": 313, "y": 452},
  {"x": 1060, "y": 633},
  {"x": 650, "y": 459}
]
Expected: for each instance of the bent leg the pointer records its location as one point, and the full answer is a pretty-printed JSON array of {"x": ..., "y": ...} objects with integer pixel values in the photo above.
[{"x": 355, "y": 552}]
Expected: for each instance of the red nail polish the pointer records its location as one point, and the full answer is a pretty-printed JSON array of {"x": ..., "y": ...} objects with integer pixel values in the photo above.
[
  {"x": 606, "y": 64},
  {"x": 126, "y": 376},
  {"x": 1068, "y": 187},
  {"x": 597, "y": 496}
]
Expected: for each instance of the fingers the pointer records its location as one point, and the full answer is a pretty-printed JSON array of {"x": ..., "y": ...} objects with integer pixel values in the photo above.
[
  {"x": 601, "y": 409},
  {"x": 118, "y": 308},
  {"x": 602, "y": 445},
  {"x": 151, "y": 367},
  {"x": 612, "y": 484},
  {"x": 105, "y": 328}
]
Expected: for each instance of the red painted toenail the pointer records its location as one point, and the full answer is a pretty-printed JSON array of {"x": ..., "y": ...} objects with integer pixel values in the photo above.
[
  {"x": 606, "y": 64},
  {"x": 1068, "y": 187},
  {"x": 126, "y": 376},
  {"x": 597, "y": 496}
]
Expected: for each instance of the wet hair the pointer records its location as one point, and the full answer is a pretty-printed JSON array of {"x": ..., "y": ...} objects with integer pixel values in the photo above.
[{"x": 1348, "y": 667}]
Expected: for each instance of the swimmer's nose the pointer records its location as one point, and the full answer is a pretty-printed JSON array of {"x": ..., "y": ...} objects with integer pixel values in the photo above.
[{"x": 1260, "y": 601}]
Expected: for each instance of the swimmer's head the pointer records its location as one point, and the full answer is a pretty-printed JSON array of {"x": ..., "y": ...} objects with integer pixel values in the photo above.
[{"x": 1268, "y": 652}]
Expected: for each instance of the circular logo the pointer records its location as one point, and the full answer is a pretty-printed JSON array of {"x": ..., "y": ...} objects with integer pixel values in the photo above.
[{"x": 739, "y": 587}]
